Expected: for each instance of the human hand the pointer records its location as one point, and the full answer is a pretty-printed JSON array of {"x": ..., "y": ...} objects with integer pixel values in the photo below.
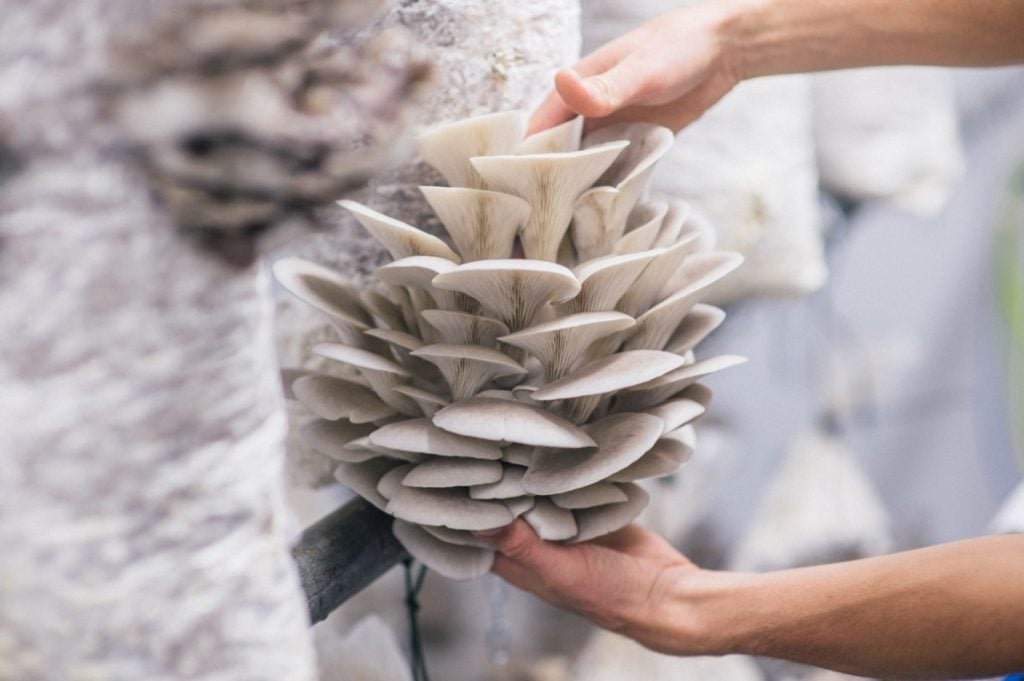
[
  {"x": 668, "y": 71},
  {"x": 627, "y": 582}
]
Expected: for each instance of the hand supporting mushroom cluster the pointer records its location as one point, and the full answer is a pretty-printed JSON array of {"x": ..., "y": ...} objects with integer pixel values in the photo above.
[{"x": 472, "y": 388}]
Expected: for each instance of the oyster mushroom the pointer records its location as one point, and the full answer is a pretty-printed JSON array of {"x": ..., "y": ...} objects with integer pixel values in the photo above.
[
  {"x": 560, "y": 344},
  {"x": 467, "y": 368},
  {"x": 448, "y": 558},
  {"x": 502, "y": 420},
  {"x": 483, "y": 224},
  {"x": 449, "y": 147},
  {"x": 400, "y": 239}
]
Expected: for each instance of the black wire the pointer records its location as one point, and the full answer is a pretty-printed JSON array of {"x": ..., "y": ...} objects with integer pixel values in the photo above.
[{"x": 412, "y": 608}]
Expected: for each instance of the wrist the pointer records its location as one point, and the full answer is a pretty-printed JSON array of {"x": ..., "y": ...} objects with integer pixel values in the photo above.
[{"x": 742, "y": 28}]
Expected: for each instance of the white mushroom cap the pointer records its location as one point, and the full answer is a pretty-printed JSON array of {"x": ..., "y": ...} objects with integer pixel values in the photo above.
[
  {"x": 695, "y": 327},
  {"x": 446, "y": 471},
  {"x": 519, "y": 505},
  {"x": 449, "y": 507},
  {"x": 483, "y": 224},
  {"x": 391, "y": 482},
  {"x": 457, "y": 537},
  {"x": 517, "y": 454},
  {"x": 467, "y": 368},
  {"x": 454, "y": 561},
  {"x": 362, "y": 478},
  {"x": 363, "y": 447},
  {"x": 551, "y": 184},
  {"x": 421, "y": 435},
  {"x": 649, "y": 283},
  {"x": 330, "y": 437},
  {"x": 335, "y": 398},
  {"x": 672, "y": 225},
  {"x": 381, "y": 373},
  {"x": 550, "y": 522},
  {"x": 610, "y": 374},
  {"x": 559, "y": 139},
  {"x": 449, "y": 147},
  {"x": 621, "y": 440},
  {"x": 427, "y": 401},
  {"x": 598, "y": 221},
  {"x": 560, "y": 344},
  {"x": 603, "y": 282},
  {"x": 386, "y": 311},
  {"x": 328, "y": 292},
  {"x": 656, "y": 391},
  {"x": 701, "y": 270},
  {"x": 512, "y": 290},
  {"x": 501, "y": 420},
  {"x": 656, "y": 326},
  {"x": 665, "y": 458},
  {"x": 601, "y": 520},
  {"x": 598, "y": 494},
  {"x": 642, "y": 228},
  {"x": 418, "y": 272},
  {"x": 399, "y": 339},
  {"x": 461, "y": 328},
  {"x": 509, "y": 486},
  {"x": 647, "y": 144},
  {"x": 677, "y": 412},
  {"x": 400, "y": 239}
]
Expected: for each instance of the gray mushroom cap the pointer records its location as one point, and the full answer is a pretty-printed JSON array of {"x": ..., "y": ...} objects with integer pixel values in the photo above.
[
  {"x": 362, "y": 478},
  {"x": 327, "y": 291},
  {"x": 656, "y": 391},
  {"x": 610, "y": 374},
  {"x": 550, "y": 522},
  {"x": 400, "y": 239},
  {"x": 597, "y": 494},
  {"x": 601, "y": 520},
  {"x": 381, "y": 373},
  {"x": 450, "y": 507},
  {"x": 335, "y": 398},
  {"x": 605, "y": 281},
  {"x": 423, "y": 436},
  {"x": 483, "y": 224},
  {"x": 664, "y": 458},
  {"x": 621, "y": 439},
  {"x": 467, "y": 368},
  {"x": 514, "y": 291},
  {"x": 330, "y": 437},
  {"x": 445, "y": 471},
  {"x": 448, "y": 147},
  {"x": 502, "y": 420},
  {"x": 561, "y": 138},
  {"x": 455, "y": 561},
  {"x": 509, "y": 486},
  {"x": 461, "y": 328}
]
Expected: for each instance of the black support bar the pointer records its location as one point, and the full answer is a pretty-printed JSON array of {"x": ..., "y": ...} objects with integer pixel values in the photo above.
[{"x": 343, "y": 553}]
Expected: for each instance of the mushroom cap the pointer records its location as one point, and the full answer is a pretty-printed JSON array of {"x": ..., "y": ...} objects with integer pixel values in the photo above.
[
  {"x": 414, "y": 271},
  {"x": 400, "y": 239},
  {"x": 422, "y": 436},
  {"x": 325, "y": 290},
  {"x": 461, "y": 328},
  {"x": 514, "y": 291},
  {"x": 650, "y": 282},
  {"x": 550, "y": 522},
  {"x": 601, "y": 520},
  {"x": 677, "y": 412},
  {"x": 450, "y": 507},
  {"x": 467, "y": 368},
  {"x": 399, "y": 339},
  {"x": 458, "y": 537},
  {"x": 390, "y": 483},
  {"x": 335, "y": 398},
  {"x": 502, "y": 420},
  {"x": 362, "y": 446},
  {"x": 700, "y": 321},
  {"x": 447, "y": 471},
  {"x": 509, "y": 486},
  {"x": 664, "y": 458},
  {"x": 598, "y": 494},
  {"x": 381, "y": 373},
  {"x": 386, "y": 311},
  {"x": 362, "y": 478},
  {"x": 517, "y": 454},
  {"x": 621, "y": 439},
  {"x": 449, "y": 146},
  {"x": 454, "y": 561},
  {"x": 559, "y": 344},
  {"x": 483, "y": 224},
  {"x": 551, "y": 184},
  {"x": 330, "y": 437},
  {"x": 642, "y": 228},
  {"x": 519, "y": 505},
  {"x": 605, "y": 281},
  {"x": 672, "y": 226},
  {"x": 647, "y": 144},
  {"x": 658, "y": 390},
  {"x": 427, "y": 401},
  {"x": 610, "y": 374},
  {"x": 561, "y": 138}
]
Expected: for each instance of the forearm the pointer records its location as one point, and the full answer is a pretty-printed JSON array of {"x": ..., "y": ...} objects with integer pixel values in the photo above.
[
  {"x": 949, "y": 611},
  {"x": 792, "y": 36}
]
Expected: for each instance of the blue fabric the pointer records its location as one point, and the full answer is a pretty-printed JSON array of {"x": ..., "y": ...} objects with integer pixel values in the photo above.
[{"x": 1015, "y": 677}]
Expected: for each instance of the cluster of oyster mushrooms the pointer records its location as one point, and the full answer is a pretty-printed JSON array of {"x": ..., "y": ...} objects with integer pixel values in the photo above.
[{"x": 473, "y": 387}]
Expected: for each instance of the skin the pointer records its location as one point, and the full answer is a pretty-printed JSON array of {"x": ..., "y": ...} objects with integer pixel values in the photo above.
[
  {"x": 949, "y": 611},
  {"x": 673, "y": 68}
]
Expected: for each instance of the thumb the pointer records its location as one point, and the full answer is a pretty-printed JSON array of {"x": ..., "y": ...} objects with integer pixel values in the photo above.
[
  {"x": 604, "y": 93},
  {"x": 520, "y": 543}
]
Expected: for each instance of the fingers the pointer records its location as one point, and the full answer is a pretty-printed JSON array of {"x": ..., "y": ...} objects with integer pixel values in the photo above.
[
  {"x": 520, "y": 543},
  {"x": 604, "y": 93},
  {"x": 549, "y": 114}
]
